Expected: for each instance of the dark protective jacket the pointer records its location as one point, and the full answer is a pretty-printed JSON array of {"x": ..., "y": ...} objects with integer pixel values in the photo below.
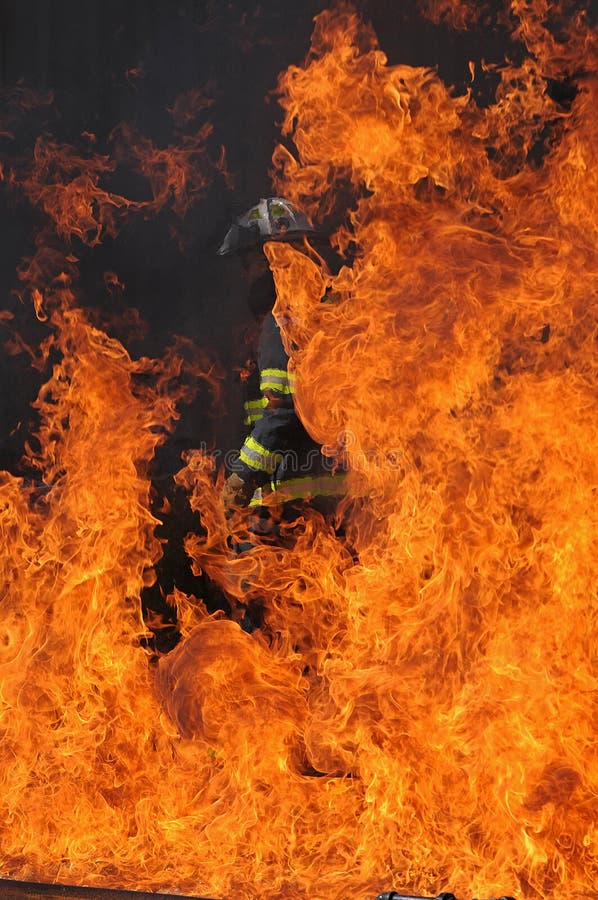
[{"x": 278, "y": 454}]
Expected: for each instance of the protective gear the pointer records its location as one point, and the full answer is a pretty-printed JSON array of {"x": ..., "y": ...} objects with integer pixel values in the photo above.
[
  {"x": 279, "y": 458},
  {"x": 273, "y": 219},
  {"x": 236, "y": 492}
]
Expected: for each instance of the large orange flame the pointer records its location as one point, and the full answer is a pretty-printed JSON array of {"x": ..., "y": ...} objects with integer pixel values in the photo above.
[
  {"x": 450, "y": 669},
  {"x": 417, "y": 711}
]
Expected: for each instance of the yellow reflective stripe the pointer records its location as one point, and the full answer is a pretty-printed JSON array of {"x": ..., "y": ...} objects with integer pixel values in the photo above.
[
  {"x": 278, "y": 380},
  {"x": 278, "y": 373},
  {"x": 320, "y": 486},
  {"x": 254, "y": 410},
  {"x": 258, "y": 457},
  {"x": 276, "y": 386},
  {"x": 302, "y": 489}
]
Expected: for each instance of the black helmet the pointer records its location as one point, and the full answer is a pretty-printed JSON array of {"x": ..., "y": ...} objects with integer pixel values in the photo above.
[{"x": 272, "y": 219}]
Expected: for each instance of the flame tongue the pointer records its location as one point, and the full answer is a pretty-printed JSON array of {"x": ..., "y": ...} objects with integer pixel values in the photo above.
[
  {"x": 457, "y": 374},
  {"x": 418, "y": 709},
  {"x": 77, "y": 552}
]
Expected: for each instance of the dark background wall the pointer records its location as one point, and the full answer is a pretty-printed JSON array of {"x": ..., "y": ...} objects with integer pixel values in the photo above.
[{"x": 108, "y": 62}]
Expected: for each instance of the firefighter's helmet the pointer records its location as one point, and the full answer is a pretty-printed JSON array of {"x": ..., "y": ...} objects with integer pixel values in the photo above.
[{"x": 272, "y": 219}]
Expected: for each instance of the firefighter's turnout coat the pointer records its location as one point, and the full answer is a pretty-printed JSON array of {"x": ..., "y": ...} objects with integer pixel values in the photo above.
[{"x": 278, "y": 455}]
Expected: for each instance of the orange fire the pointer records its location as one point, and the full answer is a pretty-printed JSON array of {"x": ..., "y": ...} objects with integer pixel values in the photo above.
[
  {"x": 417, "y": 711},
  {"x": 176, "y": 173},
  {"x": 65, "y": 181},
  {"x": 65, "y": 184}
]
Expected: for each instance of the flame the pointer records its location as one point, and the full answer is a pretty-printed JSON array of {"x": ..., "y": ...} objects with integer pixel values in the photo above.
[
  {"x": 188, "y": 105},
  {"x": 459, "y": 14},
  {"x": 417, "y": 711},
  {"x": 65, "y": 184},
  {"x": 18, "y": 101},
  {"x": 460, "y": 364},
  {"x": 113, "y": 282},
  {"x": 178, "y": 174}
]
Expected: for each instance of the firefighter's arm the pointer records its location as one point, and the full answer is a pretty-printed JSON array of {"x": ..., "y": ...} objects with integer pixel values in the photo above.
[
  {"x": 260, "y": 455},
  {"x": 274, "y": 433}
]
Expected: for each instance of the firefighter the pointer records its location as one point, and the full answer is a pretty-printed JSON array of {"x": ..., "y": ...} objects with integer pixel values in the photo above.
[{"x": 279, "y": 463}]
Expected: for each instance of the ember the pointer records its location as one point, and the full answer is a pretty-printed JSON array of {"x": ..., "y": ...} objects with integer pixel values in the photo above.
[{"x": 416, "y": 710}]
